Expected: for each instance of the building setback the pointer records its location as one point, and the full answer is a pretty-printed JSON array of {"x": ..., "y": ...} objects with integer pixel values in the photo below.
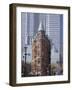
[{"x": 41, "y": 53}]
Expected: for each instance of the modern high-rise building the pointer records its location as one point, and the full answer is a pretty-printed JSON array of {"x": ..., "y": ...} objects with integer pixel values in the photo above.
[
  {"x": 54, "y": 30},
  {"x": 41, "y": 53}
]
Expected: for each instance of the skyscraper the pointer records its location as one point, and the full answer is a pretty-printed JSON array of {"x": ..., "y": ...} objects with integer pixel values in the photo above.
[
  {"x": 54, "y": 30},
  {"x": 53, "y": 24},
  {"x": 41, "y": 52}
]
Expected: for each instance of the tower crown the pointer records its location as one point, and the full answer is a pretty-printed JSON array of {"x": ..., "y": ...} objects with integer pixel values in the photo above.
[{"x": 41, "y": 27}]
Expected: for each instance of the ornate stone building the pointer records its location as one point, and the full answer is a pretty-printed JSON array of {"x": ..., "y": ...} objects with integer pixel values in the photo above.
[{"x": 41, "y": 53}]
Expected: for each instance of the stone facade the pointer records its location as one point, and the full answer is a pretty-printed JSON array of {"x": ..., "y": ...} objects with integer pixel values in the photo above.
[{"x": 41, "y": 52}]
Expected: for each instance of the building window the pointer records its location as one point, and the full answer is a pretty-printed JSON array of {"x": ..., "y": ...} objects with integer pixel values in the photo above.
[
  {"x": 35, "y": 56},
  {"x": 38, "y": 61}
]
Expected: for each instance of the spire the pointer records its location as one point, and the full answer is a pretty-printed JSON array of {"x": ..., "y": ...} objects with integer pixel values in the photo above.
[{"x": 41, "y": 27}]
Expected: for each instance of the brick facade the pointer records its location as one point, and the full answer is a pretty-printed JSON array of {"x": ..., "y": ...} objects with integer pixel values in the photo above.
[{"x": 41, "y": 52}]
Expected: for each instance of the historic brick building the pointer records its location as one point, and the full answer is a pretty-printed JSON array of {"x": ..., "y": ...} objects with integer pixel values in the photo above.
[{"x": 41, "y": 52}]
